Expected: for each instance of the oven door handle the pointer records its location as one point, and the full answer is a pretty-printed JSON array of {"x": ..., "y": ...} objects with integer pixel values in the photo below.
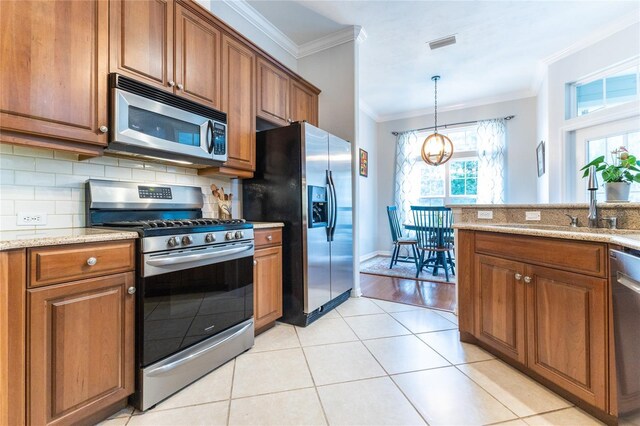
[{"x": 174, "y": 260}]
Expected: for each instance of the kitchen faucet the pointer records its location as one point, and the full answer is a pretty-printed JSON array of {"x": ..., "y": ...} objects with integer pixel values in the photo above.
[{"x": 592, "y": 186}]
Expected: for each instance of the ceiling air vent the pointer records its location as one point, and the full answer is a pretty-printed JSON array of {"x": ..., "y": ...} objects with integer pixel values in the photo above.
[{"x": 442, "y": 42}]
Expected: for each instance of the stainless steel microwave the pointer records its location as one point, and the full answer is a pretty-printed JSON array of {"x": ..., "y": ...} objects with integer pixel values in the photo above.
[{"x": 152, "y": 123}]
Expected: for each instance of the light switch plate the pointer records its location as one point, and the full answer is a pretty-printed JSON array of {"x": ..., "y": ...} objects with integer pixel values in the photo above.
[
  {"x": 30, "y": 219},
  {"x": 532, "y": 215},
  {"x": 485, "y": 214}
]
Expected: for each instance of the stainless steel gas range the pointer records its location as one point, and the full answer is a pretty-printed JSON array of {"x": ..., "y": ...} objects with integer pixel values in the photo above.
[{"x": 194, "y": 282}]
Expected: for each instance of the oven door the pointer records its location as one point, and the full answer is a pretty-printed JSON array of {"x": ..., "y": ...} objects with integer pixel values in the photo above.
[
  {"x": 149, "y": 127},
  {"x": 187, "y": 296}
]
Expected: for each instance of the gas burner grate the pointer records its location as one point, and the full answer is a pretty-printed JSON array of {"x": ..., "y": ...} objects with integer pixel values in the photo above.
[{"x": 163, "y": 223}]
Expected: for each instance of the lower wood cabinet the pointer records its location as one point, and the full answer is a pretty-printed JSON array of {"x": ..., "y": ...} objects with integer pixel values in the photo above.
[
  {"x": 552, "y": 322},
  {"x": 267, "y": 278}
]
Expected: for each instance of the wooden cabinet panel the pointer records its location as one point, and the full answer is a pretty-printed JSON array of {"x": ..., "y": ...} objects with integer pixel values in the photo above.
[
  {"x": 267, "y": 281},
  {"x": 238, "y": 101},
  {"x": 50, "y": 265},
  {"x": 80, "y": 348},
  {"x": 141, "y": 40},
  {"x": 566, "y": 318},
  {"x": 499, "y": 306},
  {"x": 303, "y": 104},
  {"x": 267, "y": 237},
  {"x": 54, "y": 74},
  {"x": 576, "y": 256},
  {"x": 197, "y": 49},
  {"x": 273, "y": 93}
]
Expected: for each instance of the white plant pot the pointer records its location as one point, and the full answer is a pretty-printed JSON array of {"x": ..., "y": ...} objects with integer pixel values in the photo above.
[{"x": 617, "y": 191}]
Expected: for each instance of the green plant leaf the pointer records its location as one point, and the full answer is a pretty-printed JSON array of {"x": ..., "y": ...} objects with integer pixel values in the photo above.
[{"x": 594, "y": 162}]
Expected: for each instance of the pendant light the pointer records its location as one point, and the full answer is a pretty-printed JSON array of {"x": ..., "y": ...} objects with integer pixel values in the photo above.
[{"x": 437, "y": 149}]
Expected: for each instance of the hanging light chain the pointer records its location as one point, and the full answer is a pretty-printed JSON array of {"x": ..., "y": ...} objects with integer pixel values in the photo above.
[{"x": 435, "y": 80}]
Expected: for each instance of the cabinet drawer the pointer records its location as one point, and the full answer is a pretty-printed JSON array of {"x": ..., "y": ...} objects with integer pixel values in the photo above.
[
  {"x": 267, "y": 237},
  {"x": 56, "y": 264},
  {"x": 576, "y": 256}
]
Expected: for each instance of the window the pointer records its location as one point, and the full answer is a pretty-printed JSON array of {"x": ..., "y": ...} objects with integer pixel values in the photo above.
[
  {"x": 455, "y": 182},
  {"x": 616, "y": 87}
]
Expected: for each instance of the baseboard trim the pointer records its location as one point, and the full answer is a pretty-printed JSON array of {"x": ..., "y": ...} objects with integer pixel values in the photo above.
[{"x": 373, "y": 254}]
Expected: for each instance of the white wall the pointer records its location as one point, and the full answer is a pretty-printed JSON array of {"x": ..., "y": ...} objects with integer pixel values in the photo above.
[
  {"x": 610, "y": 51},
  {"x": 543, "y": 135},
  {"x": 35, "y": 180},
  {"x": 520, "y": 173},
  {"x": 368, "y": 196},
  {"x": 226, "y": 13}
]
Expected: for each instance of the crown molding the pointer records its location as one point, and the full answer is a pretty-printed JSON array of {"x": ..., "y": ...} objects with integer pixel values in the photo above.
[
  {"x": 366, "y": 108},
  {"x": 254, "y": 17},
  {"x": 522, "y": 94},
  {"x": 351, "y": 33},
  {"x": 597, "y": 36}
]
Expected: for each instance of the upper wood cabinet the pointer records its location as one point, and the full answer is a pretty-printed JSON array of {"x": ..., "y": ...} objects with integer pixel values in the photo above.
[
  {"x": 281, "y": 98},
  {"x": 144, "y": 45},
  {"x": 141, "y": 40},
  {"x": 238, "y": 101},
  {"x": 53, "y": 73}
]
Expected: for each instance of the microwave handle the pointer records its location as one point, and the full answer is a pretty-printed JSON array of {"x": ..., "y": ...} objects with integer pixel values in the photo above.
[{"x": 210, "y": 136}]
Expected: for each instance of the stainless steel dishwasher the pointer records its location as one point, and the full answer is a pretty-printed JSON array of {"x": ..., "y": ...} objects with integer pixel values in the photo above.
[{"x": 625, "y": 272}]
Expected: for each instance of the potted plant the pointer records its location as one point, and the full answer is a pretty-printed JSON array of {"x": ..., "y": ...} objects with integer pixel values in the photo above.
[{"x": 617, "y": 175}]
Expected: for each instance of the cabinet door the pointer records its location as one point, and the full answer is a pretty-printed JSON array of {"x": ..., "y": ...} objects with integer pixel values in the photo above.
[
  {"x": 303, "y": 104},
  {"x": 141, "y": 40},
  {"x": 81, "y": 348},
  {"x": 238, "y": 101},
  {"x": 54, "y": 69},
  {"x": 273, "y": 93},
  {"x": 267, "y": 282},
  {"x": 567, "y": 341},
  {"x": 500, "y": 305},
  {"x": 197, "y": 45}
]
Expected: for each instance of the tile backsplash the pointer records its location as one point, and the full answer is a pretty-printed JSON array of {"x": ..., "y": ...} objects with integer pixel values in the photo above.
[{"x": 36, "y": 180}]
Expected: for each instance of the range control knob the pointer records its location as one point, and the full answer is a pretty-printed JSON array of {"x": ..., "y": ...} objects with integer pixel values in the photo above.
[
  {"x": 209, "y": 238},
  {"x": 230, "y": 236},
  {"x": 173, "y": 242},
  {"x": 187, "y": 239},
  {"x": 239, "y": 235}
]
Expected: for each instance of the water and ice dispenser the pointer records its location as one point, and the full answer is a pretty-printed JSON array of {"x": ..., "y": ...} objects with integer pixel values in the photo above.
[{"x": 318, "y": 207}]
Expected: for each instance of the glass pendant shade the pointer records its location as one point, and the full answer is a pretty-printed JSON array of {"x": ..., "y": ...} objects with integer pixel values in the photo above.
[{"x": 437, "y": 149}]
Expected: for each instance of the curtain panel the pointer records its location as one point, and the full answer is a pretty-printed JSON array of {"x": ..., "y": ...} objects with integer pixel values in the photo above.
[
  {"x": 491, "y": 147},
  {"x": 407, "y": 179}
]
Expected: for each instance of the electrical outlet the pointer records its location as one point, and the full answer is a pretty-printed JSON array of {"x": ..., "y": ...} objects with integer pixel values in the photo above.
[
  {"x": 30, "y": 219},
  {"x": 531, "y": 215},
  {"x": 485, "y": 214}
]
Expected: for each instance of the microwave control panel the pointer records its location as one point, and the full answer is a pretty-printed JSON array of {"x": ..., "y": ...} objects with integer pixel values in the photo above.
[
  {"x": 219, "y": 139},
  {"x": 157, "y": 192}
]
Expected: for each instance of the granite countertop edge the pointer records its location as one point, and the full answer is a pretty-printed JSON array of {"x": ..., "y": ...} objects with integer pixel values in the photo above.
[
  {"x": 266, "y": 225},
  {"x": 10, "y": 240},
  {"x": 603, "y": 205},
  {"x": 626, "y": 240}
]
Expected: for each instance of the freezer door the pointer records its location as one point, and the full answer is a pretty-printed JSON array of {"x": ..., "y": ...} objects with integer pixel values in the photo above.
[
  {"x": 342, "y": 244},
  {"x": 317, "y": 253}
]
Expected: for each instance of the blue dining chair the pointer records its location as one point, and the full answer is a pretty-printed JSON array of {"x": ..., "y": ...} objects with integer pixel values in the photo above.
[
  {"x": 399, "y": 240},
  {"x": 435, "y": 236}
]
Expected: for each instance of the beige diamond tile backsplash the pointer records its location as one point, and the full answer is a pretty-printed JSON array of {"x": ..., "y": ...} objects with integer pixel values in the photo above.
[{"x": 36, "y": 180}]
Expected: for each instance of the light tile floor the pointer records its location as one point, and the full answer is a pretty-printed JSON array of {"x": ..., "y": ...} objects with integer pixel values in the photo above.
[{"x": 370, "y": 362}]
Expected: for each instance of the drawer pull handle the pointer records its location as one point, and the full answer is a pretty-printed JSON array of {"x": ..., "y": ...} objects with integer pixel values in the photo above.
[
  {"x": 269, "y": 238},
  {"x": 518, "y": 276},
  {"x": 527, "y": 280},
  {"x": 92, "y": 261},
  {"x": 131, "y": 290}
]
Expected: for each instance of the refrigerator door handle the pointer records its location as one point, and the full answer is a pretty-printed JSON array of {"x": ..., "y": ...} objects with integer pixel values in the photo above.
[
  {"x": 329, "y": 206},
  {"x": 334, "y": 207}
]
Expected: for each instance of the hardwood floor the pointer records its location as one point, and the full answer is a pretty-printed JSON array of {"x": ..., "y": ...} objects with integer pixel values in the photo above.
[{"x": 413, "y": 292}]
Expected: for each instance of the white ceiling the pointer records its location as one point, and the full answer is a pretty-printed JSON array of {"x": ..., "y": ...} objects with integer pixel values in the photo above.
[{"x": 501, "y": 44}]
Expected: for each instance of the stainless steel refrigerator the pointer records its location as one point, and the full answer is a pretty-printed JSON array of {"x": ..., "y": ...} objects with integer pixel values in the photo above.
[{"x": 303, "y": 178}]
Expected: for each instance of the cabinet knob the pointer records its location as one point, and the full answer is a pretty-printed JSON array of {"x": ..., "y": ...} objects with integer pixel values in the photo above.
[
  {"x": 180, "y": 87},
  {"x": 255, "y": 262},
  {"x": 92, "y": 261},
  {"x": 518, "y": 276},
  {"x": 289, "y": 120},
  {"x": 269, "y": 238},
  {"x": 527, "y": 280},
  {"x": 104, "y": 129},
  {"x": 131, "y": 290},
  {"x": 171, "y": 83}
]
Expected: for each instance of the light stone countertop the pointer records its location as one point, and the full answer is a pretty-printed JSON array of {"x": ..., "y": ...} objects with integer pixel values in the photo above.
[
  {"x": 625, "y": 237},
  {"x": 50, "y": 237},
  {"x": 601, "y": 204},
  {"x": 266, "y": 225}
]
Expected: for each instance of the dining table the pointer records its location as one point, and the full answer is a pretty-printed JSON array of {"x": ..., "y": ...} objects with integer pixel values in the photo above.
[{"x": 440, "y": 258}]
